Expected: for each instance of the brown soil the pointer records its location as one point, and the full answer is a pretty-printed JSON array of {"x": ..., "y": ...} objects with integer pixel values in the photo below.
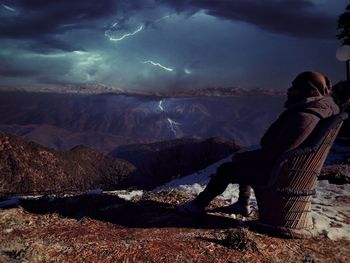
[{"x": 105, "y": 228}]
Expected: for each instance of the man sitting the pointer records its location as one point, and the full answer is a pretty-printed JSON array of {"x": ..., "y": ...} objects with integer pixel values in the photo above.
[{"x": 308, "y": 102}]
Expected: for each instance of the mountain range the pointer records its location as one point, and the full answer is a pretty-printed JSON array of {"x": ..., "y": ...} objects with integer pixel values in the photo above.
[{"x": 106, "y": 121}]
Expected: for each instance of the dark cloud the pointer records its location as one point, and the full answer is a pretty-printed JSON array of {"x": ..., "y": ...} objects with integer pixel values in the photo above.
[
  {"x": 201, "y": 40},
  {"x": 289, "y": 17},
  {"x": 44, "y": 21},
  {"x": 37, "y": 17},
  {"x": 41, "y": 17}
]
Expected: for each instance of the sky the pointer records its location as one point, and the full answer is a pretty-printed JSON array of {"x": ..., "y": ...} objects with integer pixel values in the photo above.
[{"x": 167, "y": 45}]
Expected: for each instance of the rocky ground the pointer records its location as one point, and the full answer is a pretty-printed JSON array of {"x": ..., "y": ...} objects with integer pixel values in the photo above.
[
  {"x": 106, "y": 228},
  {"x": 28, "y": 167}
]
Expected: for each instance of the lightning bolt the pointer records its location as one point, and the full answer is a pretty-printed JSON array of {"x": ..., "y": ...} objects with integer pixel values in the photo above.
[
  {"x": 158, "y": 65},
  {"x": 160, "y": 105},
  {"x": 162, "y": 18},
  {"x": 9, "y": 8},
  {"x": 125, "y": 35},
  {"x": 187, "y": 71},
  {"x": 68, "y": 25},
  {"x": 132, "y": 33},
  {"x": 173, "y": 124}
]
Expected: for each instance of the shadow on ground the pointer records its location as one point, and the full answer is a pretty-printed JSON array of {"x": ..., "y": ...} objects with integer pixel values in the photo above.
[{"x": 132, "y": 214}]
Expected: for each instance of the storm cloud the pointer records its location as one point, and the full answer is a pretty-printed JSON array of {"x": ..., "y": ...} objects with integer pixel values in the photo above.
[
  {"x": 41, "y": 18},
  {"x": 204, "y": 43},
  {"x": 296, "y": 18}
]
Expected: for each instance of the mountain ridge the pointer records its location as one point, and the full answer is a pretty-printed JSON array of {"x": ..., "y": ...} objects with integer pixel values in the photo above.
[
  {"x": 104, "y": 122},
  {"x": 105, "y": 90},
  {"x": 30, "y": 167}
]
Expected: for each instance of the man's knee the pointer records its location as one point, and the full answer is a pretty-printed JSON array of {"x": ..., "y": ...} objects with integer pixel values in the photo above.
[{"x": 226, "y": 169}]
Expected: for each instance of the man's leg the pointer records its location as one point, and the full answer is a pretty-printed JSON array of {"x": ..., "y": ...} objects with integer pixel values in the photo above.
[
  {"x": 230, "y": 172},
  {"x": 242, "y": 205},
  {"x": 217, "y": 185},
  {"x": 244, "y": 194}
]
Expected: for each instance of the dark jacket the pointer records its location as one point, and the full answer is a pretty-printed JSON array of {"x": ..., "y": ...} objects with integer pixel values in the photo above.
[
  {"x": 295, "y": 124},
  {"x": 288, "y": 132}
]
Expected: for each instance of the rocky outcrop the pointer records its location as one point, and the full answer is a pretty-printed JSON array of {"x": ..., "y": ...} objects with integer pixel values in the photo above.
[{"x": 30, "y": 167}]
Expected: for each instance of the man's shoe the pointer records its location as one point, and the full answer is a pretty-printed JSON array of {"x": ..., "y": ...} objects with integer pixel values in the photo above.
[
  {"x": 191, "y": 209},
  {"x": 238, "y": 208}
]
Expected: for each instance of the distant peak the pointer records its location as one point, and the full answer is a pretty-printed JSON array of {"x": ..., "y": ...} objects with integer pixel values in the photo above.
[{"x": 101, "y": 88}]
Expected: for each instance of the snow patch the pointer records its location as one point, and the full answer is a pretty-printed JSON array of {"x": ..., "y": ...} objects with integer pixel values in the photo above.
[
  {"x": 330, "y": 214},
  {"x": 126, "y": 195},
  {"x": 201, "y": 177},
  {"x": 330, "y": 206}
]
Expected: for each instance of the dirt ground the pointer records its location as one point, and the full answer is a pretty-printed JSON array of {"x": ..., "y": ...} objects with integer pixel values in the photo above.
[{"x": 105, "y": 228}]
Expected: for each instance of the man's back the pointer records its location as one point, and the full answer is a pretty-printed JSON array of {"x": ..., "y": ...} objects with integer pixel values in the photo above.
[{"x": 296, "y": 123}]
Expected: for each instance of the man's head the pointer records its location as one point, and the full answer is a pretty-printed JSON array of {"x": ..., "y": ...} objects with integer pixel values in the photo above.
[{"x": 306, "y": 85}]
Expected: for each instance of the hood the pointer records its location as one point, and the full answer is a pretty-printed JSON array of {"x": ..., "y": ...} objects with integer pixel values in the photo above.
[
  {"x": 308, "y": 85},
  {"x": 312, "y": 84}
]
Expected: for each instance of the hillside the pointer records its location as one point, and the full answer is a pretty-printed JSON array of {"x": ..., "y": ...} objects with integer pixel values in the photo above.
[
  {"x": 30, "y": 167},
  {"x": 161, "y": 162},
  {"x": 144, "y": 226}
]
